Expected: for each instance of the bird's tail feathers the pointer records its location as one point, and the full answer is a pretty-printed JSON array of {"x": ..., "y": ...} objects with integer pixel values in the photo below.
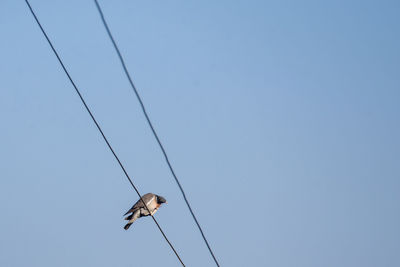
[
  {"x": 126, "y": 227},
  {"x": 129, "y": 217}
]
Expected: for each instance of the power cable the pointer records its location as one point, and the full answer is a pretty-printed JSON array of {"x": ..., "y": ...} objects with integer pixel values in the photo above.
[
  {"x": 152, "y": 128},
  {"x": 100, "y": 130}
]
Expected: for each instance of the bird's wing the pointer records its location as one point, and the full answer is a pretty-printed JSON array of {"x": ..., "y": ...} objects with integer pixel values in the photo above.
[
  {"x": 133, "y": 209},
  {"x": 147, "y": 198}
]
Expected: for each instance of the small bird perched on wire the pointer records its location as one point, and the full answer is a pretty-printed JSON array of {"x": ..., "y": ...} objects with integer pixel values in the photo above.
[{"x": 153, "y": 202}]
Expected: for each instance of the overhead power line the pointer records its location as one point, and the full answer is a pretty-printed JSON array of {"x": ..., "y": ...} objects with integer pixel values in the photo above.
[
  {"x": 152, "y": 129},
  {"x": 100, "y": 130}
]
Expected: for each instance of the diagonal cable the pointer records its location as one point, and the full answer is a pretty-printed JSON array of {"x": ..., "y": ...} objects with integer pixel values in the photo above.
[
  {"x": 152, "y": 129},
  {"x": 100, "y": 130}
]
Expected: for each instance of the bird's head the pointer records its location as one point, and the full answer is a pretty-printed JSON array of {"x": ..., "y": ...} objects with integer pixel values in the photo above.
[{"x": 161, "y": 200}]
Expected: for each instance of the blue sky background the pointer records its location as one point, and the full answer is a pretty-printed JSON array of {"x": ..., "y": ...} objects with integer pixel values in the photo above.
[{"x": 281, "y": 118}]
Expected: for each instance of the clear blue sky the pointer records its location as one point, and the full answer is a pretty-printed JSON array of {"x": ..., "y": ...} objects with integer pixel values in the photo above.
[{"x": 281, "y": 118}]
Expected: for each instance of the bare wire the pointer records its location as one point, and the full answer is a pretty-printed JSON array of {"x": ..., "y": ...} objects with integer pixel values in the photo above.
[{"x": 153, "y": 130}]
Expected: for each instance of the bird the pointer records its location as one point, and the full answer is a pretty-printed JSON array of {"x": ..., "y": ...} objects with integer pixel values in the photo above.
[{"x": 153, "y": 202}]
